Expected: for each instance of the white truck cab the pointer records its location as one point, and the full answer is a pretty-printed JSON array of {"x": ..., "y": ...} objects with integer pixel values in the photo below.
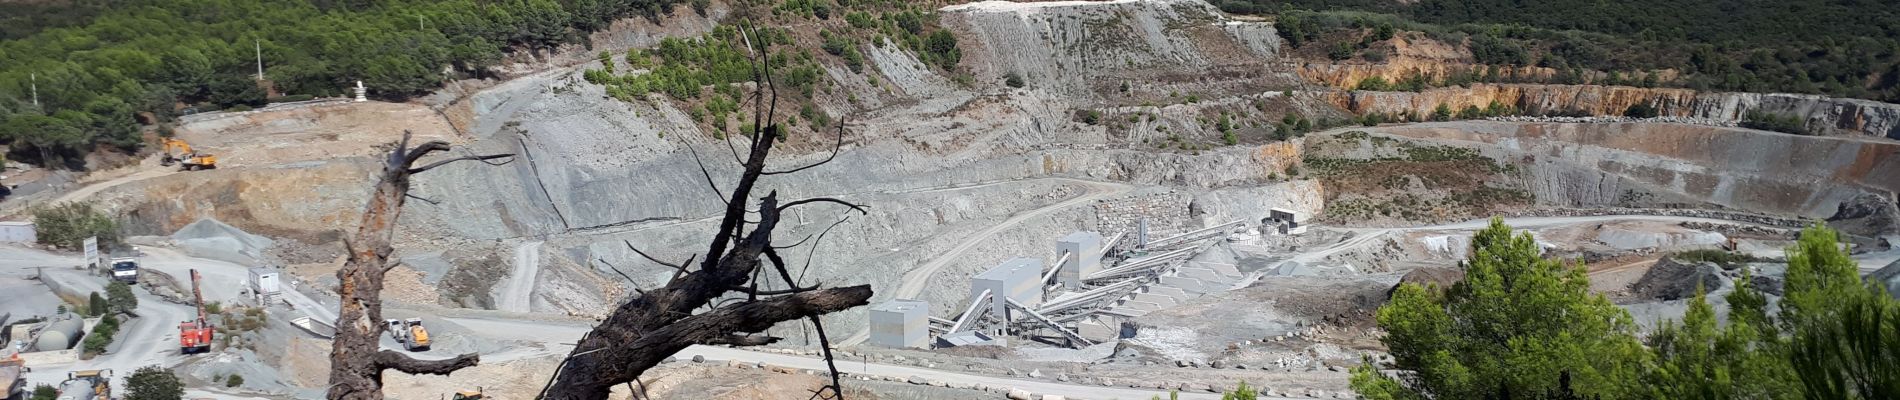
[{"x": 125, "y": 270}]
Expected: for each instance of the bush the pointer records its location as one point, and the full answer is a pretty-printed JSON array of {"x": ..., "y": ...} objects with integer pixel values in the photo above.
[
  {"x": 67, "y": 225},
  {"x": 96, "y": 304},
  {"x": 96, "y": 343},
  {"x": 1641, "y": 110},
  {"x": 1774, "y": 122},
  {"x": 153, "y": 383},
  {"x": 1721, "y": 257},
  {"x": 1014, "y": 80},
  {"x": 214, "y": 307},
  {"x": 234, "y": 380},
  {"x": 1375, "y": 84},
  {"x": 45, "y": 392},
  {"x": 1090, "y": 117},
  {"x": 119, "y": 297}
]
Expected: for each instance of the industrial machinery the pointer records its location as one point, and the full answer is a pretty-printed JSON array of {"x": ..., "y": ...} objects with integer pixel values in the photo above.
[
  {"x": 179, "y": 152},
  {"x": 410, "y": 333},
  {"x": 12, "y": 377},
  {"x": 91, "y": 384},
  {"x": 195, "y": 336},
  {"x": 469, "y": 394},
  {"x": 126, "y": 270}
]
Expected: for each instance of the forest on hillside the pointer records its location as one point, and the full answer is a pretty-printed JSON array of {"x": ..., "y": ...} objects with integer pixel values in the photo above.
[
  {"x": 1847, "y": 48},
  {"x": 95, "y": 68}
]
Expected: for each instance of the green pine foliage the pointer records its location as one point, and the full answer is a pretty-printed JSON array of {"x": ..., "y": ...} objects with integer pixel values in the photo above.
[
  {"x": 1521, "y": 326},
  {"x": 1839, "y": 48},
  {"x": 67, "y": 225},
  {"x": 1518, "y": 325},
  {"x": 97, "y": 67}
]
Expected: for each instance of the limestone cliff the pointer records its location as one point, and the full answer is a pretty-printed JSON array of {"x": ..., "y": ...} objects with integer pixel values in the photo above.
[
  {"x": 1825, "y": 115},
  {"x": 1078, "y": 49},
  {"x": 1616, "y": 164}
]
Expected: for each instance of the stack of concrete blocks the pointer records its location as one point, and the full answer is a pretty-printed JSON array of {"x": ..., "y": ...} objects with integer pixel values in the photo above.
[
  {"x": 1166, "y": 212},
  {"x": 1017, "y": 279},
  {"x": 901, "y": 323},
  {"x": 1085, "y": 258}
]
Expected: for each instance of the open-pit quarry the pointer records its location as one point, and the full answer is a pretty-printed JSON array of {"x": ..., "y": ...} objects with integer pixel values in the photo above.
[{"x": 1012, "y": 246}]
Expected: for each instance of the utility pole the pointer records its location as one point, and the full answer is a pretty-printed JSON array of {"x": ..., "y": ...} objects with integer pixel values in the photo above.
[{"x": 260, "y": 57}]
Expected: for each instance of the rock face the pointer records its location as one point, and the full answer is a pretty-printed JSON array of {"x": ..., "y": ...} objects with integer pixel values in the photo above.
[
  {"x": 1867, "y": 215},
  {"x": 1078, "y": 49},
  {"x": 1657, "y": 164},
  {"x": 1824, "y": 115},
  {"x": 1889, "y": 276},
  {"x": 306, "y": 200}
]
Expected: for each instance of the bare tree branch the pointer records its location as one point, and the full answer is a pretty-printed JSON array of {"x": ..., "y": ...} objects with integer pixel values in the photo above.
[
  {"x": 697, "y": 306},
  {"x": 835, "y": 147},
  {"x": 431, "y": 166},
  {"x": 745, "y": 340},
  {"x": 717, "y": 194},
  {"x": 356, "y": 360},
  {"x": 397, "y": 361},
  {"x": 855, "y": 207}
]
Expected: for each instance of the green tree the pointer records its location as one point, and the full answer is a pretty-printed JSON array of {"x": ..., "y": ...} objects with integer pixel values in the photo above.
[
  {"x": 96, "y": 304},
  {"x": 119, "y": 296},
  {"x": 153, "y": 383},
  {"x": 1641, "y": 109},
  {"x": 1518, "y": 325},
  {"x": 96, "y": 343},
  {"x": 50, "y": 136},
  {"x": 45, "y": 392},
  {"x": 1442, "y": 113},
  {"x": 67, "y": 225},
  {"x": 1241, "y": 392},
  {"x": 1698, "y": 359},
  {"x": 1845, "y": 340}
]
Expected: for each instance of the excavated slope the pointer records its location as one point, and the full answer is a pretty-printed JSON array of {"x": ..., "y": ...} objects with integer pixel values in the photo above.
[
  {"x": 1604, "y": 164},
  {"x": 1825, "y": 115}
]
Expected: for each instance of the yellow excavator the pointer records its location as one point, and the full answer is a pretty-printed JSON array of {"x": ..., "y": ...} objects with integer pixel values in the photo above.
[{"x": 179, "y": 152}]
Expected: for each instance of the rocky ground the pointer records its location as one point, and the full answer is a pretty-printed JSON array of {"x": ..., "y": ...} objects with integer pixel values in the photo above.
[{"x": 961, "y": 172}]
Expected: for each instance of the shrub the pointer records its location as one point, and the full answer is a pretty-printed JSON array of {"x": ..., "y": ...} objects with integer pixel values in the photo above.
[
  {"x": 1014, "y": 80},
  {"x": 1375, "y": 84},
  {"x": 1774, "y": 122},
  {"x": 1088, "y": 116},
  {"x": 119, "y": 297},
  {"x": 1721, "y": 257},
  {"x": 96, "y": 304},
  {"x": 96, "y": 343},
  {"x": 153, "y": 383},
  {"x": 1441, "y": 113},
  {"x": 214, "y": 307},
  {"x": 234, "y": 380},
  {"x": 45, "y": 392},
  {"x": 1641, "y": 110},
  {"x": 67, "y": 225}
]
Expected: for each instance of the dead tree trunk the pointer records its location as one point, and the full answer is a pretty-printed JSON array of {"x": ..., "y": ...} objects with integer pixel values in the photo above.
[
  {"x": 356, "y": 360},
  {"x": 657, "y": 323}
]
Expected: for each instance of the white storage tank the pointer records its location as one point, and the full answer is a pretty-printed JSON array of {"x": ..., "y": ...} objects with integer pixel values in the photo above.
[{"x": 60, "y": 334}]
